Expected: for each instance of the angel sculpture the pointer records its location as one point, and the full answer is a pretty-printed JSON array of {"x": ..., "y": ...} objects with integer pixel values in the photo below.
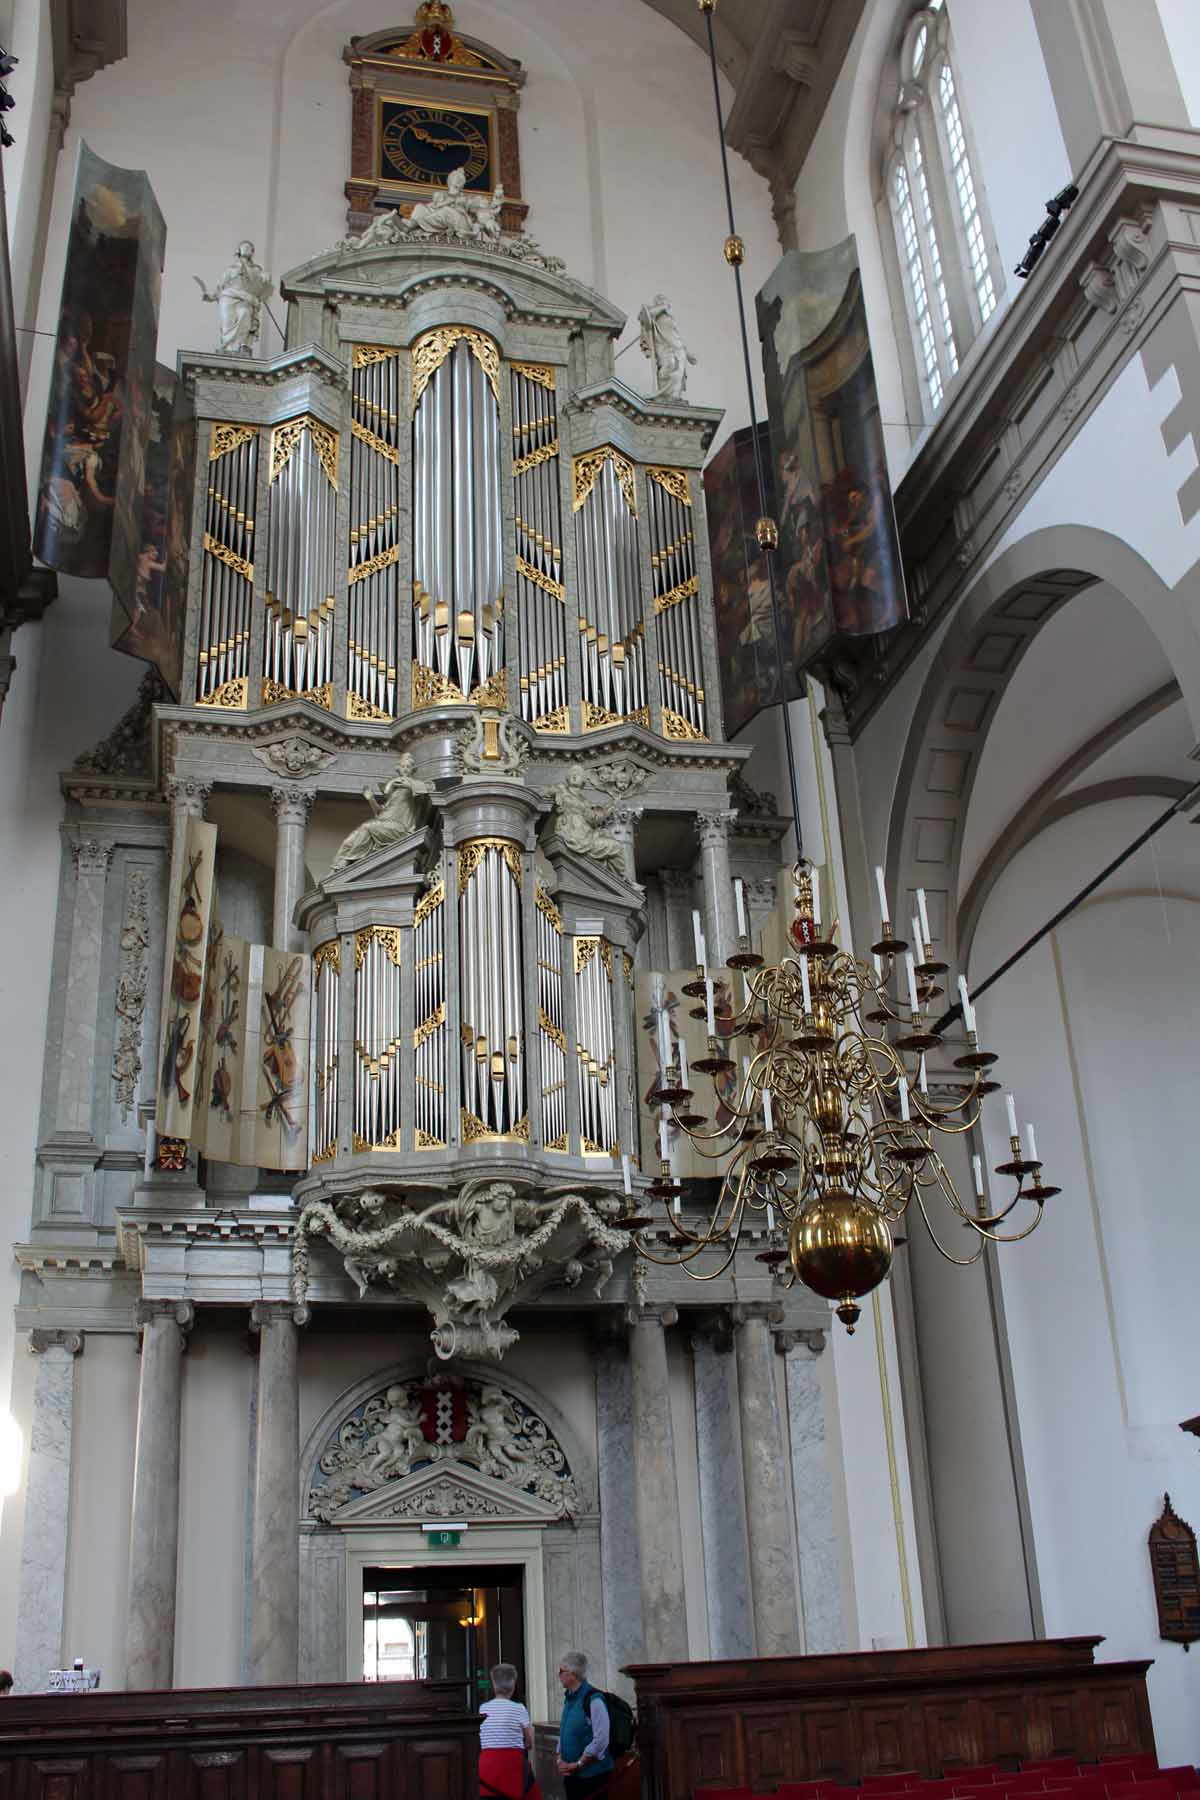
[{"x": 397, "y": 808}]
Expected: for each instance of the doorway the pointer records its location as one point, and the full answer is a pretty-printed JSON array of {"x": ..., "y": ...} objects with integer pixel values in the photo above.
[{"x": 443, "y": 1622}]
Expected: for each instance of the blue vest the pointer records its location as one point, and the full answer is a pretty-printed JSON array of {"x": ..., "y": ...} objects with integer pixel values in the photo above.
[{"x": 575, "y": 1731}]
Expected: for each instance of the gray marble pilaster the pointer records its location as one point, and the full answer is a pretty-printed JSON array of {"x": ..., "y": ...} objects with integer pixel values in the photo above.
[
  {"x": 154, "y": 1531},
  {"x": 623, "y": 824},
  {"x": 722, "y": 1495},
  {"x": 720, "y": 921},
  {"x": 660, "y": 1544},
  {"x": 291, "y": 806},
  {"x": 622, "y": 1585},
  {"x": 768, "y": 1525},
  {"x": 43, "y": 1579},
  {"x": 812, "y": 1489},
  {"x": 275, "y": 1543},
  {"x": 77, "y": 1061}
]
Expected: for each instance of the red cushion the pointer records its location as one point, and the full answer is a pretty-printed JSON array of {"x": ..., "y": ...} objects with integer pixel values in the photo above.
[
  {"x": 710, "y": 1793},
  {"x": 902, "y": 1778}
]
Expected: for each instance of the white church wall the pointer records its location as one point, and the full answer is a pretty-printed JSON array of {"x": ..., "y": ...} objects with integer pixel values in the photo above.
[
  {"x": 28, "y": 37},
  {"x": 1100, "y": 1019},
  {"x": 215, "y": 1475},
  {"x": 1179, "y": 23},
  {"x": 683, "y": 1428},
  {"x": 105, "y": 1433}
]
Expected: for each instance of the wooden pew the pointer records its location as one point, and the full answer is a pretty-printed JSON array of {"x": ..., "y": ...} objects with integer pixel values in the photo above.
[
  {"x": 755, "y": 1723},
  {"x": 396, "y": 1740}
]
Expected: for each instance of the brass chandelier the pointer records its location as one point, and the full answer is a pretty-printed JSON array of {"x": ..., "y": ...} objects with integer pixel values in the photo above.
[{"x": 830, "y": 1133}]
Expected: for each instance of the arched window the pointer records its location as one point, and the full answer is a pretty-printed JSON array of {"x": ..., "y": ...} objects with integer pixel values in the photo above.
[{"x": 948, "y": 265}]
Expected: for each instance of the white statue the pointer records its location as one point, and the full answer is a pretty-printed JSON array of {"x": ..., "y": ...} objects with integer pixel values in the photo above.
[
  {"x": 661, "y": 341},
  {"x": 399, "y": 1440},
  {"x": 238, "y": 297},
  {"x": 398, "y": 808},
  {"x": 578, "y": 823},
  {"x": 494, "y": 1430},
  {"x": 485, "y": 213},
  {"x": 449, "y": 212}
]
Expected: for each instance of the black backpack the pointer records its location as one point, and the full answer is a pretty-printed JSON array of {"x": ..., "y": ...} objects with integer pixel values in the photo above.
[{"x": 622, "y": 1725}]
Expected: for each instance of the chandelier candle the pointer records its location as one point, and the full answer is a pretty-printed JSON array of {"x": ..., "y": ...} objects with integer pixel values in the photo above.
[
  {"x": 920, "y": 951},
  {"x": 701, "y": 951},
  {"x": 923, "y": 915},
  {"x": 1010, "y": 1107},
  {"x": 1031, "y": 1142},
  {"x": 885, "y": 917},
  {"x": 968, "y": 1011},
  {"x": 739, "y": 899},
  {"x": 827, "y": 1129}
]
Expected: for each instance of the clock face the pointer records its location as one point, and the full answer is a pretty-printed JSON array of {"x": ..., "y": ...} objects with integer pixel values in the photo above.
[{"x": 422, "y": 145}]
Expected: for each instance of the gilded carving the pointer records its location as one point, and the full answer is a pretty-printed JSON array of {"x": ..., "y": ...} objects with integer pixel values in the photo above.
[
  {"x": 684, "y": 590},
  {"x": 676, "y": 726},
  {"x": 365, "y": 354},
  {"x": 373, "y": 565},
  {"x": 374, "y": 442},
  {"x": 554, "y": 588},
  {"x": 429, "y": 903},
  {"x": 275, "y": 694},
  {"x": 231, "y": 696},
  {"x": 675, "y": 481},
  {"x": 542, "y": 373},
  {"x": 285, "y": 438},
  {"x": 471, "y": 855},
  {"x": 586, "y": 469},
  {"x": 387, "y": 935},
  {"x": 433, "y": 347},
  {"x": 227, "y": 437}
]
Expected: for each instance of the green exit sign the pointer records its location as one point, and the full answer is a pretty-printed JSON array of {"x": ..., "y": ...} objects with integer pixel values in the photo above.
[{"x": 443, "y": 1540}]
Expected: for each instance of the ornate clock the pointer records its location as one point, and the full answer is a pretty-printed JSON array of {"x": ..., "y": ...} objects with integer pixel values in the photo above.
[
  {"x": 425, "y": 102},
  {"x": 421, "y": 145}
]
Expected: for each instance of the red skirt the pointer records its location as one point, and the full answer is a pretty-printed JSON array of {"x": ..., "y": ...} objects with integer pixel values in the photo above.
[{"x": 502, "y": 1776}]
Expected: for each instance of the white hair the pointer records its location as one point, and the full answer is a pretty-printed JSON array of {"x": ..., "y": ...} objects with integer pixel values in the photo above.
[
  {"x": 574, "y": 1660},
  {"x": 504, "y": 1680}
]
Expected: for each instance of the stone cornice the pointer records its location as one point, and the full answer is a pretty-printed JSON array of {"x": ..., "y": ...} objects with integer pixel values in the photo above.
[
  {"x": 271, "y": 372},
  {"x": 1121, "y": 257}
]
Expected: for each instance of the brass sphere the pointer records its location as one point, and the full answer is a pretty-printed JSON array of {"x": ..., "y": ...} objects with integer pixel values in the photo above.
[
  {"x": 735, "y": 250},
  {"x": 841, "y": 1248}
]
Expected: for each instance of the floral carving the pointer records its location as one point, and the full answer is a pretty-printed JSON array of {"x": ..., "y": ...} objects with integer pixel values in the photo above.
[{"x": 130, "y": 1002}]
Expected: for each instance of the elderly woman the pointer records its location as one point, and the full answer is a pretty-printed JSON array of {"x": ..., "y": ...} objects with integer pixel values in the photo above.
[{"x": 505, "y": 1740}]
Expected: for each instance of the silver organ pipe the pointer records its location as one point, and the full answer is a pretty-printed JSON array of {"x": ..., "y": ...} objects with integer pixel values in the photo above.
[
  {"x": 227, "y": 572},
  {"x": 429, "y": 1034},
  {"x": 374, "y": 532},
  {"x": 377, "y": 1012},
  {"x": 491, "y": 1010},
  {"x": 458, "y": 563},
  {"x": 612, "y": 631},
  {"x": 537, "y": 504},
  {"x": 327, "y": 962},
  {"x": 595, "y": 1046},
  {"x": 298, "y": 638},
  {"x": 676, "y": 603},
  {"x": 552, "y": 1039}
]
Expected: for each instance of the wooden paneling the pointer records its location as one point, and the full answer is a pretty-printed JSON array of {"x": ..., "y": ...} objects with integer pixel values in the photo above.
[
  {"x": 756, "y": 1724},
  {"x": 391, "y": 1741}
]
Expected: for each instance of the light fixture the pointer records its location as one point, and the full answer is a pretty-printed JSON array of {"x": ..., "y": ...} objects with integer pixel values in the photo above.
[{"x": 830, "y": 1132}]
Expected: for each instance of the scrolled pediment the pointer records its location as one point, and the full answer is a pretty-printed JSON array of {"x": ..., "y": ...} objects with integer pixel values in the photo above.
[{"x": 447, "y": 1491}]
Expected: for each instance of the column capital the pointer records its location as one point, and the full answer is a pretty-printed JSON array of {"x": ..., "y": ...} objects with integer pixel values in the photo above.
[
  {"x": 652, "y": 1315},
  {"x": 42, "y": 1339},
  {"x": 92, "y": 854},
  {"x": 713, "y": 829},
  {"x": 787, "y": 1341},
  {"x": 187, "y": 795},
  {"x": 623, "y": 820},
  {"x": 714, "y": 1328},
  {"x": 182, "y": 1312},
  {"x": 292, "y": 805},
  {"x": 743, "y": 1312},
  {"x": 277, "y": 1312}
]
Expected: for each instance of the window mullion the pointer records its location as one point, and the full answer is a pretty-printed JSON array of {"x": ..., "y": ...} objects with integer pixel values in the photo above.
[{"x": 963, "y": 320}]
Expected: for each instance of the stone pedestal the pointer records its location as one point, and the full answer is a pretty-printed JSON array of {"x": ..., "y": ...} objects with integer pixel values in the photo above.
[
  {"x": 154, "y": 1533},
  {"x": 722, "y": 1499},
  {"x": 43, "y": 1579},
  {"x": 660, "y": 1545},
  {"x": 768, "y": 1524},
  {"x": 291, "y": 806},
  {"x": 812, "y": 1489},
  {"x": 275, "y": 1540},
  {"x": 621, "y": 1585}
]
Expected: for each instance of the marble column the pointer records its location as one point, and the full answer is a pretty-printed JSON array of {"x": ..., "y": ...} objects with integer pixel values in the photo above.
[
  {"x": 768, "y": 1524},
  {"x": 720, "y": 920},
  {"x": 722, "y": 1494},
  {"x": 660, "y": 1544},
  {"x": 292, "y": 806},
  {"x": 622, "y": 1582},
  {"x": 812, "y": 1490},
  {"x": 275, "y": 1539},
  {"x": 1111, "y": 70},
  {"x": 41, "y": 1602},
  {"x": 154, "y": 1532},
  {"x": 623, "y": 825}
]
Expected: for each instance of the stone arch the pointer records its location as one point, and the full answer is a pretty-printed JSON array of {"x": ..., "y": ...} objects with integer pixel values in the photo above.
[
  {"x": 992, "y": 630},
  {"x": 561, "y": 1555}
]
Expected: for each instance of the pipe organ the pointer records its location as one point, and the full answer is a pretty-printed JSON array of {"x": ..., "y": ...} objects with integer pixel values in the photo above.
[{"x": 415, "y": 555}]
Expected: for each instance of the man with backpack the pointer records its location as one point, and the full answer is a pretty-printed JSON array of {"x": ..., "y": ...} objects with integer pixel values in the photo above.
[{"x": 596, "y": 1731}]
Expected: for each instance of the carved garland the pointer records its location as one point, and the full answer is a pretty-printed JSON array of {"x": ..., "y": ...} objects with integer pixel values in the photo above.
[{"x": 131, "y": 993}]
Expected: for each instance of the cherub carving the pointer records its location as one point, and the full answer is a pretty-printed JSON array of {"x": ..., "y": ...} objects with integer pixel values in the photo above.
[{"x": 395, "y": 1446}]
